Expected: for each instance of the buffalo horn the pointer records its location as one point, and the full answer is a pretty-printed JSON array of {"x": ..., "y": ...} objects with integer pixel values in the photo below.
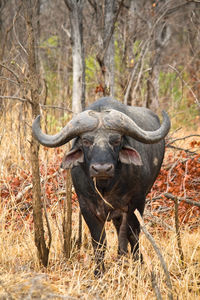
[
  {"x": 83, "y": 122},
  {"x": 120, "y": 122}
]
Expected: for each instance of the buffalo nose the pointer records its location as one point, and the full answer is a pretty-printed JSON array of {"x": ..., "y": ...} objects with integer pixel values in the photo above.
[{"x": 101, "y": 170}]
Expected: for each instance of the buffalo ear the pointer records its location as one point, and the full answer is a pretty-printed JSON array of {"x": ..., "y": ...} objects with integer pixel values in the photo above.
[
  {"x": 129, "y": 155},
  {"x": 72, "y": 159}
]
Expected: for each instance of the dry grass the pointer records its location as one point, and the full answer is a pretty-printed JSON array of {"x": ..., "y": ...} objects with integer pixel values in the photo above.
[{"x": 22, "y": 278}]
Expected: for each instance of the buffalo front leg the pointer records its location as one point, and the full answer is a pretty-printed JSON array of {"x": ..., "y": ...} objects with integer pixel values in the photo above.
[
  {"x": 133, "y": 232},
  {"x": 98, "y": 235},
  {"x": 121, "y": 227}
]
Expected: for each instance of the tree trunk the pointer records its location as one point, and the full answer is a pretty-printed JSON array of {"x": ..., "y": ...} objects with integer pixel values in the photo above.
[
  {"x": 78, "y": 104},
  {"x": 105, "y": 57},
  {"x": 108, "y": 44},
  {"x": 67, "y": 220},
  {"x": 43, "y": 251},
  {"x": 162, "y": 34},
  {"x": 76, "y": 17}
]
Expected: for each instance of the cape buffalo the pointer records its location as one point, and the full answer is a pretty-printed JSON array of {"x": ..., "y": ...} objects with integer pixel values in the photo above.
[{"x": 116, "y": 155}]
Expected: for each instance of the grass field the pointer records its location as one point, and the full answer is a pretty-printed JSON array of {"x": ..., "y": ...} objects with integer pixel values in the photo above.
[{"x": 21, "y": 277}]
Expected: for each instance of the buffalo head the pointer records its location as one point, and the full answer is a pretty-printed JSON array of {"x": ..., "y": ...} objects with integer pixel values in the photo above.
[{"x": 101, "y": 140}]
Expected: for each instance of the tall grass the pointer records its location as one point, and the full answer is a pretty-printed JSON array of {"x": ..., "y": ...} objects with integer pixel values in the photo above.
[{"x": 21, "y": 277}]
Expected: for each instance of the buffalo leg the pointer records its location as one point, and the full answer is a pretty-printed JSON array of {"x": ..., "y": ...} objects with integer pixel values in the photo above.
[
  {"x": 133, "y": 230},
  {"x": 121, "y": 227},
  {"x": 98, "y": 235}
]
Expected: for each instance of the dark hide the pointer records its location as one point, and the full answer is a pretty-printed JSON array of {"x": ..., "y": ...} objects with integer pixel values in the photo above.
[{"x": 125, "y": 171}]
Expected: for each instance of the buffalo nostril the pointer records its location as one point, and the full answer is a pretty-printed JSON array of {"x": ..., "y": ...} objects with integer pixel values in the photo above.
[
  {"x": 109, "y": 168},
  {"x": 94, "y": 168},
  {"x": 101, "y": 170}
]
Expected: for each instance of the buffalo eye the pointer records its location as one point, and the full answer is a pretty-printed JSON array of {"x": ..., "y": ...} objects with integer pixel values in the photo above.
[
  {"x": 115, "y": 141},
  {"x": 87, "y": 142}
]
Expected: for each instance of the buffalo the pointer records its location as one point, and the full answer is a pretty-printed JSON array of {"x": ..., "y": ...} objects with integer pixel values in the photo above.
[{"x": 116, "y": 155}]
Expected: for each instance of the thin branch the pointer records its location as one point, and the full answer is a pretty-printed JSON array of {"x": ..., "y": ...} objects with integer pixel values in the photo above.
[
  {"x": 183, "y": 138},
  {"x": 11, "y": 71},
  {"x": 172, "y": 197},
  {"x": 47, "y": 222},
  {"x": 55, "y": 107},
  {"x": 155, "y": 286},
  {"x": 154, "y": 219},
  {"x": 182, "y": 5},
  {"x": 181, "y": 149},
  {"x": 157, "y": 250},
  {"x": 186, "y": 84},
  {"x": 8, "y": 79},
  {"x": 16, "y": 98},
  {"x": 99, "y": 193},
  {"x": 14, "y": 20},
  {"x": 178, "y": 235},
  {"x": 100, "y": 56},
  {"x": 135, "y": 68}
]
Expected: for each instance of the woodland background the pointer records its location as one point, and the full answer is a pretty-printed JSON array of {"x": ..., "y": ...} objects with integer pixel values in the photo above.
[{"x": 56, "y": 57}]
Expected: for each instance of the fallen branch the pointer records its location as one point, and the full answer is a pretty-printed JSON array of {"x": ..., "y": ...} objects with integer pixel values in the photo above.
[
  {"x": 155, "y": 286},
  {"x": 157, "y": 250},
  {"x": 172, "y": 197},
  {"x": 178, "y": 234},
  {"x": 156, "y": 220},
  {"x": 181, "y": 149},
  {"x": 182, "y": 138},
  {"x": 152, "y": 274},
  {"x": 30, "y": 186}
]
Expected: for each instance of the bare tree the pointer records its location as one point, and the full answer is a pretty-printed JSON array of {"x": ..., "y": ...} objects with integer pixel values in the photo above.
[
  {"x": 106, "y": 14},
  {"x": 75, "y": 8},
  {"x": 34, "y": 85},
  {"x": 76, "y": 18}
]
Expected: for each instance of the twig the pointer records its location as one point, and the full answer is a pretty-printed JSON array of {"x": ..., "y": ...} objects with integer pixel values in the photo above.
[
  {"x": 152, "y": 274},
  {"x": 184, "y": 179},
  {"x": 157, "y": 250},
  {"x": 67, "y": 216},
  {"x": 79, "y": 241},
  {"x": 186, "y": 84},
  {"x": 30, "y": 186},
  {"x": 100, "y": 56},
  {"x": 135, "y": 68},
  {"x": 16, "y": 98},
  {"x": 172, "y": 197},
  {"x": 95, "y": 185},
  {"x": 16, "y": 36},
  {"x": 178, "y": 235},
  {"x": 55, "y": 107},
  {"x": 157, "y": 220},
  {"x": 182, "y": 149},
  {"x": 11, "y": 71},
  {"x": 48, "y": 223},
  {"x": 23, "y": 192},
  {"x": 8, "y": 79},
  {"x": 155, "y": 286},
  {"x": 183, "y": 138}
]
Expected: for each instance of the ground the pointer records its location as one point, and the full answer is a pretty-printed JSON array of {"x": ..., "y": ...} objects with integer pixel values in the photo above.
[{"x": 21, "y": 276}]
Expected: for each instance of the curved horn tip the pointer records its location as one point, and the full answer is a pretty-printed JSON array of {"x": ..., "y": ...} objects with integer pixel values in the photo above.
[
  {"x": 36, "y": 126},
  {"x": 166, "y": 117},
  {"x": 36, "y": 121}
]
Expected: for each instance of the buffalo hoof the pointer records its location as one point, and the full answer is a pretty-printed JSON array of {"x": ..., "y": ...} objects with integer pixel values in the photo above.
[{"x": 99, "y": 271}]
